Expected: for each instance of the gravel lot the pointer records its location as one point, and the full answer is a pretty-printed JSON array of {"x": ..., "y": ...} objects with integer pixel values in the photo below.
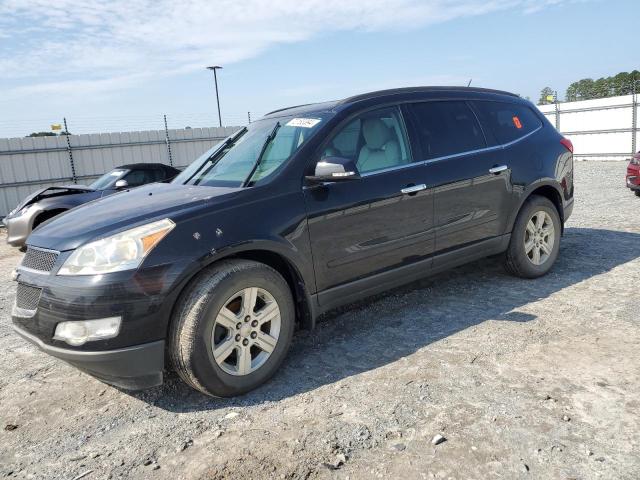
[{"x": 524, "y": 379}]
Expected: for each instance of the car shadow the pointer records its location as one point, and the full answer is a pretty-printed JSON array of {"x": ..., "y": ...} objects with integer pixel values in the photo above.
[{"x": 382, "y": 329}]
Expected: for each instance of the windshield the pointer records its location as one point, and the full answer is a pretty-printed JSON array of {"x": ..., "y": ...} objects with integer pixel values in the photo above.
[
  {"x": 108, "y": 179},
  {"x": 231, "y": 164}
]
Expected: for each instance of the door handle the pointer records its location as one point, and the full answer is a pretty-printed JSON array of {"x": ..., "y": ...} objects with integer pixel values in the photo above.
[
  {"x": 413, "y": 189},
  {"x": 497, "y": 169}
]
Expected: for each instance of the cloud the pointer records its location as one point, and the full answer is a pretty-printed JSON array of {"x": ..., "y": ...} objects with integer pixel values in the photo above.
[{"x": 113, "y": 43}]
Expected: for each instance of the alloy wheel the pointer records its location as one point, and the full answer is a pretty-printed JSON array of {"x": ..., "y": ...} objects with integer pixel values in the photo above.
[
  {"x": 246, "y": 331},
  {"x": 539, "y": 237}
]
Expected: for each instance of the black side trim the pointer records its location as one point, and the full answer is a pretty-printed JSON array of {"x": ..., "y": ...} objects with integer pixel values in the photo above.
[{"x": 383, "y": 281}]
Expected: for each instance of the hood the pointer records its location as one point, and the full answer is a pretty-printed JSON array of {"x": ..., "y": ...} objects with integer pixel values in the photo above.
[
  {"x": 50, "y": 192},
  {"x": 124, "y": 210}
]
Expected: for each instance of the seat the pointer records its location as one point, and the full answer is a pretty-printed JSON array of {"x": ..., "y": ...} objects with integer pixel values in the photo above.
[{"x": 381, "y": 149}]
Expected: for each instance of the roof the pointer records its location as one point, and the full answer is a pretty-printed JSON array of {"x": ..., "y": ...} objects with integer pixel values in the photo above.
[
  {"x": 145, "y": 166},
  {"x": 308, "y": 107},
  {"x": 325, "y": 106},
  {"x": 398, "y": 91}
]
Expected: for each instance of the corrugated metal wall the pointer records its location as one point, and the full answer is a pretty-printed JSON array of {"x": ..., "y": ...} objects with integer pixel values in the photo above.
[{"x": 29, "y": 164}]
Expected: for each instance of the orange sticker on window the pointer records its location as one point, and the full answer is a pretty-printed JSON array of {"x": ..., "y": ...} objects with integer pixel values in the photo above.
[{"x": 516, "y": 122}]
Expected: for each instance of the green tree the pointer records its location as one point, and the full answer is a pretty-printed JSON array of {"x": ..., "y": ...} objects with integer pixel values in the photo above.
[
  {"x": 623, "y": 83},
  {"x": 544, "y": 96},
  {"x": 42, "y": 134},
  {"x": 601, "y": 88}
]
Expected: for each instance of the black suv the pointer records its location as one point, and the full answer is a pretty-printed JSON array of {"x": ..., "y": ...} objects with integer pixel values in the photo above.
[{"x": 306, "y": 209}]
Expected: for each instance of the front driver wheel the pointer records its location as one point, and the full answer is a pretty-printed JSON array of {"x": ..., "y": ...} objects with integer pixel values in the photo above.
[
  {"x": 232, "y": 328},
  {"x": 535, "y": 240}
]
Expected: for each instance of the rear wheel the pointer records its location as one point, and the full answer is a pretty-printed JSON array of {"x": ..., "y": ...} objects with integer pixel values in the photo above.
[
  {"x": 535, "y": 240},
  {"x": 232, "y": 328},
  {"x": 637, "y": 192}
]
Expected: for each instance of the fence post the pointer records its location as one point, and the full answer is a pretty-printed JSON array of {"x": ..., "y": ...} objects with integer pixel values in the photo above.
[
  {"x": 73, "y": 166},
  {"x": 634, "y": 120},
  {"x": 557, "y": 112},
  {"x": 167, "y": 141}
]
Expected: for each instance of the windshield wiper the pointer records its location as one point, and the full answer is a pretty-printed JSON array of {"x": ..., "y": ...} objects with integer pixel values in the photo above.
[
  {"x": 266, "y": 143},
  {"x": 235, "y": 136},
  {"x": 216, "y": 156}
]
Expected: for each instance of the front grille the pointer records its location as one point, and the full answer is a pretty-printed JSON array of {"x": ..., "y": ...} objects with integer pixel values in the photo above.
[
  {"x": 36, "y": 259},
  {"x": 27, "y": 297}
]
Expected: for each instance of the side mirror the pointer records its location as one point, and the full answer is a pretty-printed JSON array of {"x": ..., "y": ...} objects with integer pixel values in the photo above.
[
  {"x": 120, "y": 184},
  {"x": 334, "y": 169}
]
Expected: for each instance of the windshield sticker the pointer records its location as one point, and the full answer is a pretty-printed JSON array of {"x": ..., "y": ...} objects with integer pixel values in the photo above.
[
  {"x": 303, "y": 122},
  {"x": 116, "y": 173}
]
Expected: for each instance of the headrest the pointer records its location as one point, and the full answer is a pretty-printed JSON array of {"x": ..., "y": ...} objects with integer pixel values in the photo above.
[{"x": 375, "y": 132}]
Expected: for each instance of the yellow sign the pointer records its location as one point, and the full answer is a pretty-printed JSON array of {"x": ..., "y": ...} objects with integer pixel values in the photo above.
[
  {"x": 550, "y": 98},
  {"x": 56, "y": 126}
]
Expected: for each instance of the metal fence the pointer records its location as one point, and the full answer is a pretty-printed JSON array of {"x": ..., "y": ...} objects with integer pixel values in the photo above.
[
  {"x": 600, "y": 129},
  {"x": 30, "y": 163}
]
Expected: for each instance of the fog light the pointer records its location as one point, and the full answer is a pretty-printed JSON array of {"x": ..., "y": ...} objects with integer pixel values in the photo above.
[{"x": 79, "y": 333}]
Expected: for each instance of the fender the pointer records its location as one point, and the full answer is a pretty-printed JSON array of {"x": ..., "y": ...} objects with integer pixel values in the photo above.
[
  {"x": 526, "y": 193},
  {"x": 304, "y": 278}
]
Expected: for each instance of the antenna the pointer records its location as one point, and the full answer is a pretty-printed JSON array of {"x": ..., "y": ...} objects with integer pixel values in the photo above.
[{"x": 469, "y": 84}]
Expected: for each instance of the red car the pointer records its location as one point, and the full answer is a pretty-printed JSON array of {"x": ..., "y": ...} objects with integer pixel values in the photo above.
[{"x": 633, "y": 174}]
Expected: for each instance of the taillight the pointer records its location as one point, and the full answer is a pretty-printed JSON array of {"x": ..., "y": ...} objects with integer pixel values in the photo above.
[{"x": 567, "y": 144}]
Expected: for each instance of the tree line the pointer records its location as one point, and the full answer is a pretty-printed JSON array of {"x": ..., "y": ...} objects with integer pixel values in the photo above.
[{"x": 624, "y": 83}]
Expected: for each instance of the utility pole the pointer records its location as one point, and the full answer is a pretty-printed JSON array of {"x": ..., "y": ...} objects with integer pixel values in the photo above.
[{"x": 215, "y": 79}]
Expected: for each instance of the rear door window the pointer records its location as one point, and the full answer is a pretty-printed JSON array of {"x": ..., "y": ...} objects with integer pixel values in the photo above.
[
  {"x": 507, "y": 121},
  {"x": 446, "y": 128}
]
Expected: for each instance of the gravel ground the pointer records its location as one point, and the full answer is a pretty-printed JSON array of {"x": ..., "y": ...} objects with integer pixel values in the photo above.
[{"x": 524, "y": 379}]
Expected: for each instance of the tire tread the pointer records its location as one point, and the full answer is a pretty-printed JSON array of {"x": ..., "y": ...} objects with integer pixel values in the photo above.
[
  {"x": 513, "y": 261},
  {"x": 182, "y": 334}
]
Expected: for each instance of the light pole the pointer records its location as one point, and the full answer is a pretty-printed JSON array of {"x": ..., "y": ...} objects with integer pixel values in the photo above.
[{"x": 215, "y": 79}]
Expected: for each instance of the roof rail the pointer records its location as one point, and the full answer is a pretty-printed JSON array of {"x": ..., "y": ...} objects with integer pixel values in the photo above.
[
  {"x": 288, "y": 108},
  {"x": 397, "y": 91}
]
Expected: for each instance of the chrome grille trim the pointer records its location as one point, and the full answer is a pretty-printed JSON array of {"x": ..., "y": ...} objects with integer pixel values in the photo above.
[
  {"x": 39, "y": 260},
  {"x": 27, "y": 297}
]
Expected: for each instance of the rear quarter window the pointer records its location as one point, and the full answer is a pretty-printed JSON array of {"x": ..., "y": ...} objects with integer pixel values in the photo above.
[{"x": 507, "y": 121}]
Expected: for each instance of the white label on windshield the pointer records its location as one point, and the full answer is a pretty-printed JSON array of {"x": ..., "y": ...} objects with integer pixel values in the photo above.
[
  {"x": 116, "y": 173},
  {"x": 303, "y": 122}
]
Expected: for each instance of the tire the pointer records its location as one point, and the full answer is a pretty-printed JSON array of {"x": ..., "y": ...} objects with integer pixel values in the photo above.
[
  {"x": 199, "y": 327},
  {"x": 637, "y": 192},
  {"x": 520, "y": 259}
]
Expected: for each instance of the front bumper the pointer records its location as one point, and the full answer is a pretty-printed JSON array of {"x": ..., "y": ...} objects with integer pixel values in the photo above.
[
  {"x": 143, "y": 298},
  {"x": 132, "y": 368}
]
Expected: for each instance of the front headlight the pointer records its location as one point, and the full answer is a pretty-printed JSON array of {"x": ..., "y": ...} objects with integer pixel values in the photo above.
[{"x": 123, "y": 251}]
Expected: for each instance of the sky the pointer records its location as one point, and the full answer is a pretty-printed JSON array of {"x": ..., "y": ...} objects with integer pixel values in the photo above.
[{"x": 119, "y": 65}]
